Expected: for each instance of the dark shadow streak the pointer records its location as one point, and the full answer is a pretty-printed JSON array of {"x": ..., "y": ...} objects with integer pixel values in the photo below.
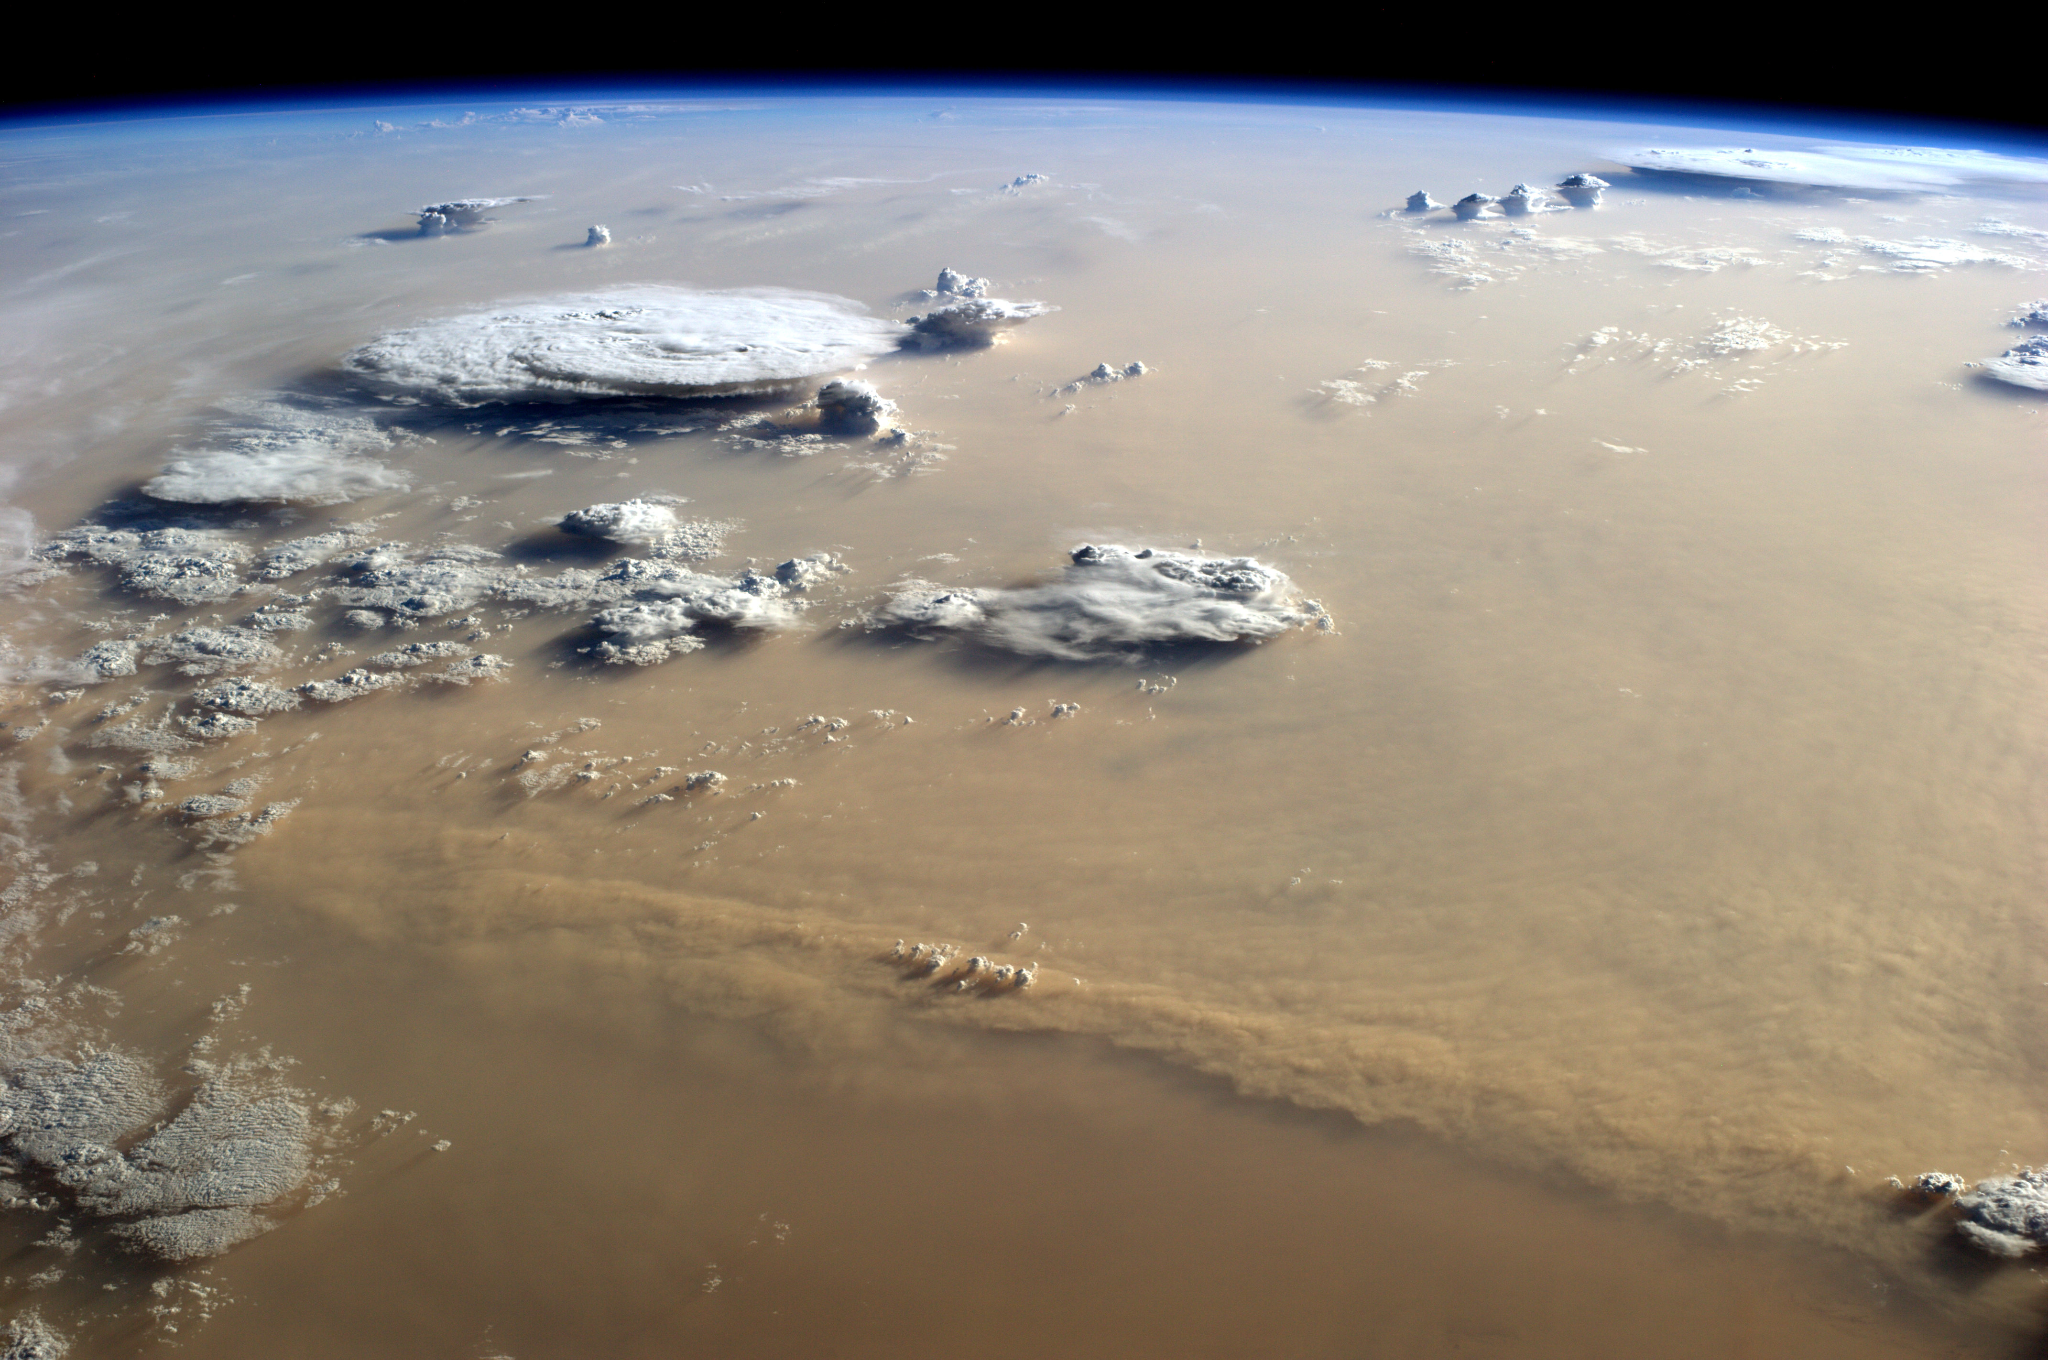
[
  {"x": 995, "y": 664},
  {"x": 557, "y": 548}
]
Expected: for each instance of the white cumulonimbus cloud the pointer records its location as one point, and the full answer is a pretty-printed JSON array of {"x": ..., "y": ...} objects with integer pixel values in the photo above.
[
  {"x": 953, "y": 283},
  {"x": 2024, "y": 365},
  {"x": 634, "y": 521},
  {"x": 461, "y": 214},
  {"x": 652, "y": 340},
  {"x": 850, "y": 406},
  {"x": 1114, "y": 600},
  {"x": 972, "y": 323}
]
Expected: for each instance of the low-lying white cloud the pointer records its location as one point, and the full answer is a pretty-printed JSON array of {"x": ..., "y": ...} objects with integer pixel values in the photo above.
[
  {"x": 1897, "y": 169},
  {"x": 270, "y": 450}
]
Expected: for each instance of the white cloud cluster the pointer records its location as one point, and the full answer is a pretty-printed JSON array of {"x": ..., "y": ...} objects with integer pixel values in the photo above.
[
  {"x": 282, "y": 560},
  {"x": 674, "y": 604},
  {"x": 184, "y": 1188},
  {"x": 1921, "y": 255},
  {"x": 439, "y": 581},
  {"x": 204, "y": 650},
  {"x": 645, "y": 341},
  {"x": 188, "y": 566}
]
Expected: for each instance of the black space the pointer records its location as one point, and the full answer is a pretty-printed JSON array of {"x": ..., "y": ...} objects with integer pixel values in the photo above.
[{"x": 1737, "y": 65}]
